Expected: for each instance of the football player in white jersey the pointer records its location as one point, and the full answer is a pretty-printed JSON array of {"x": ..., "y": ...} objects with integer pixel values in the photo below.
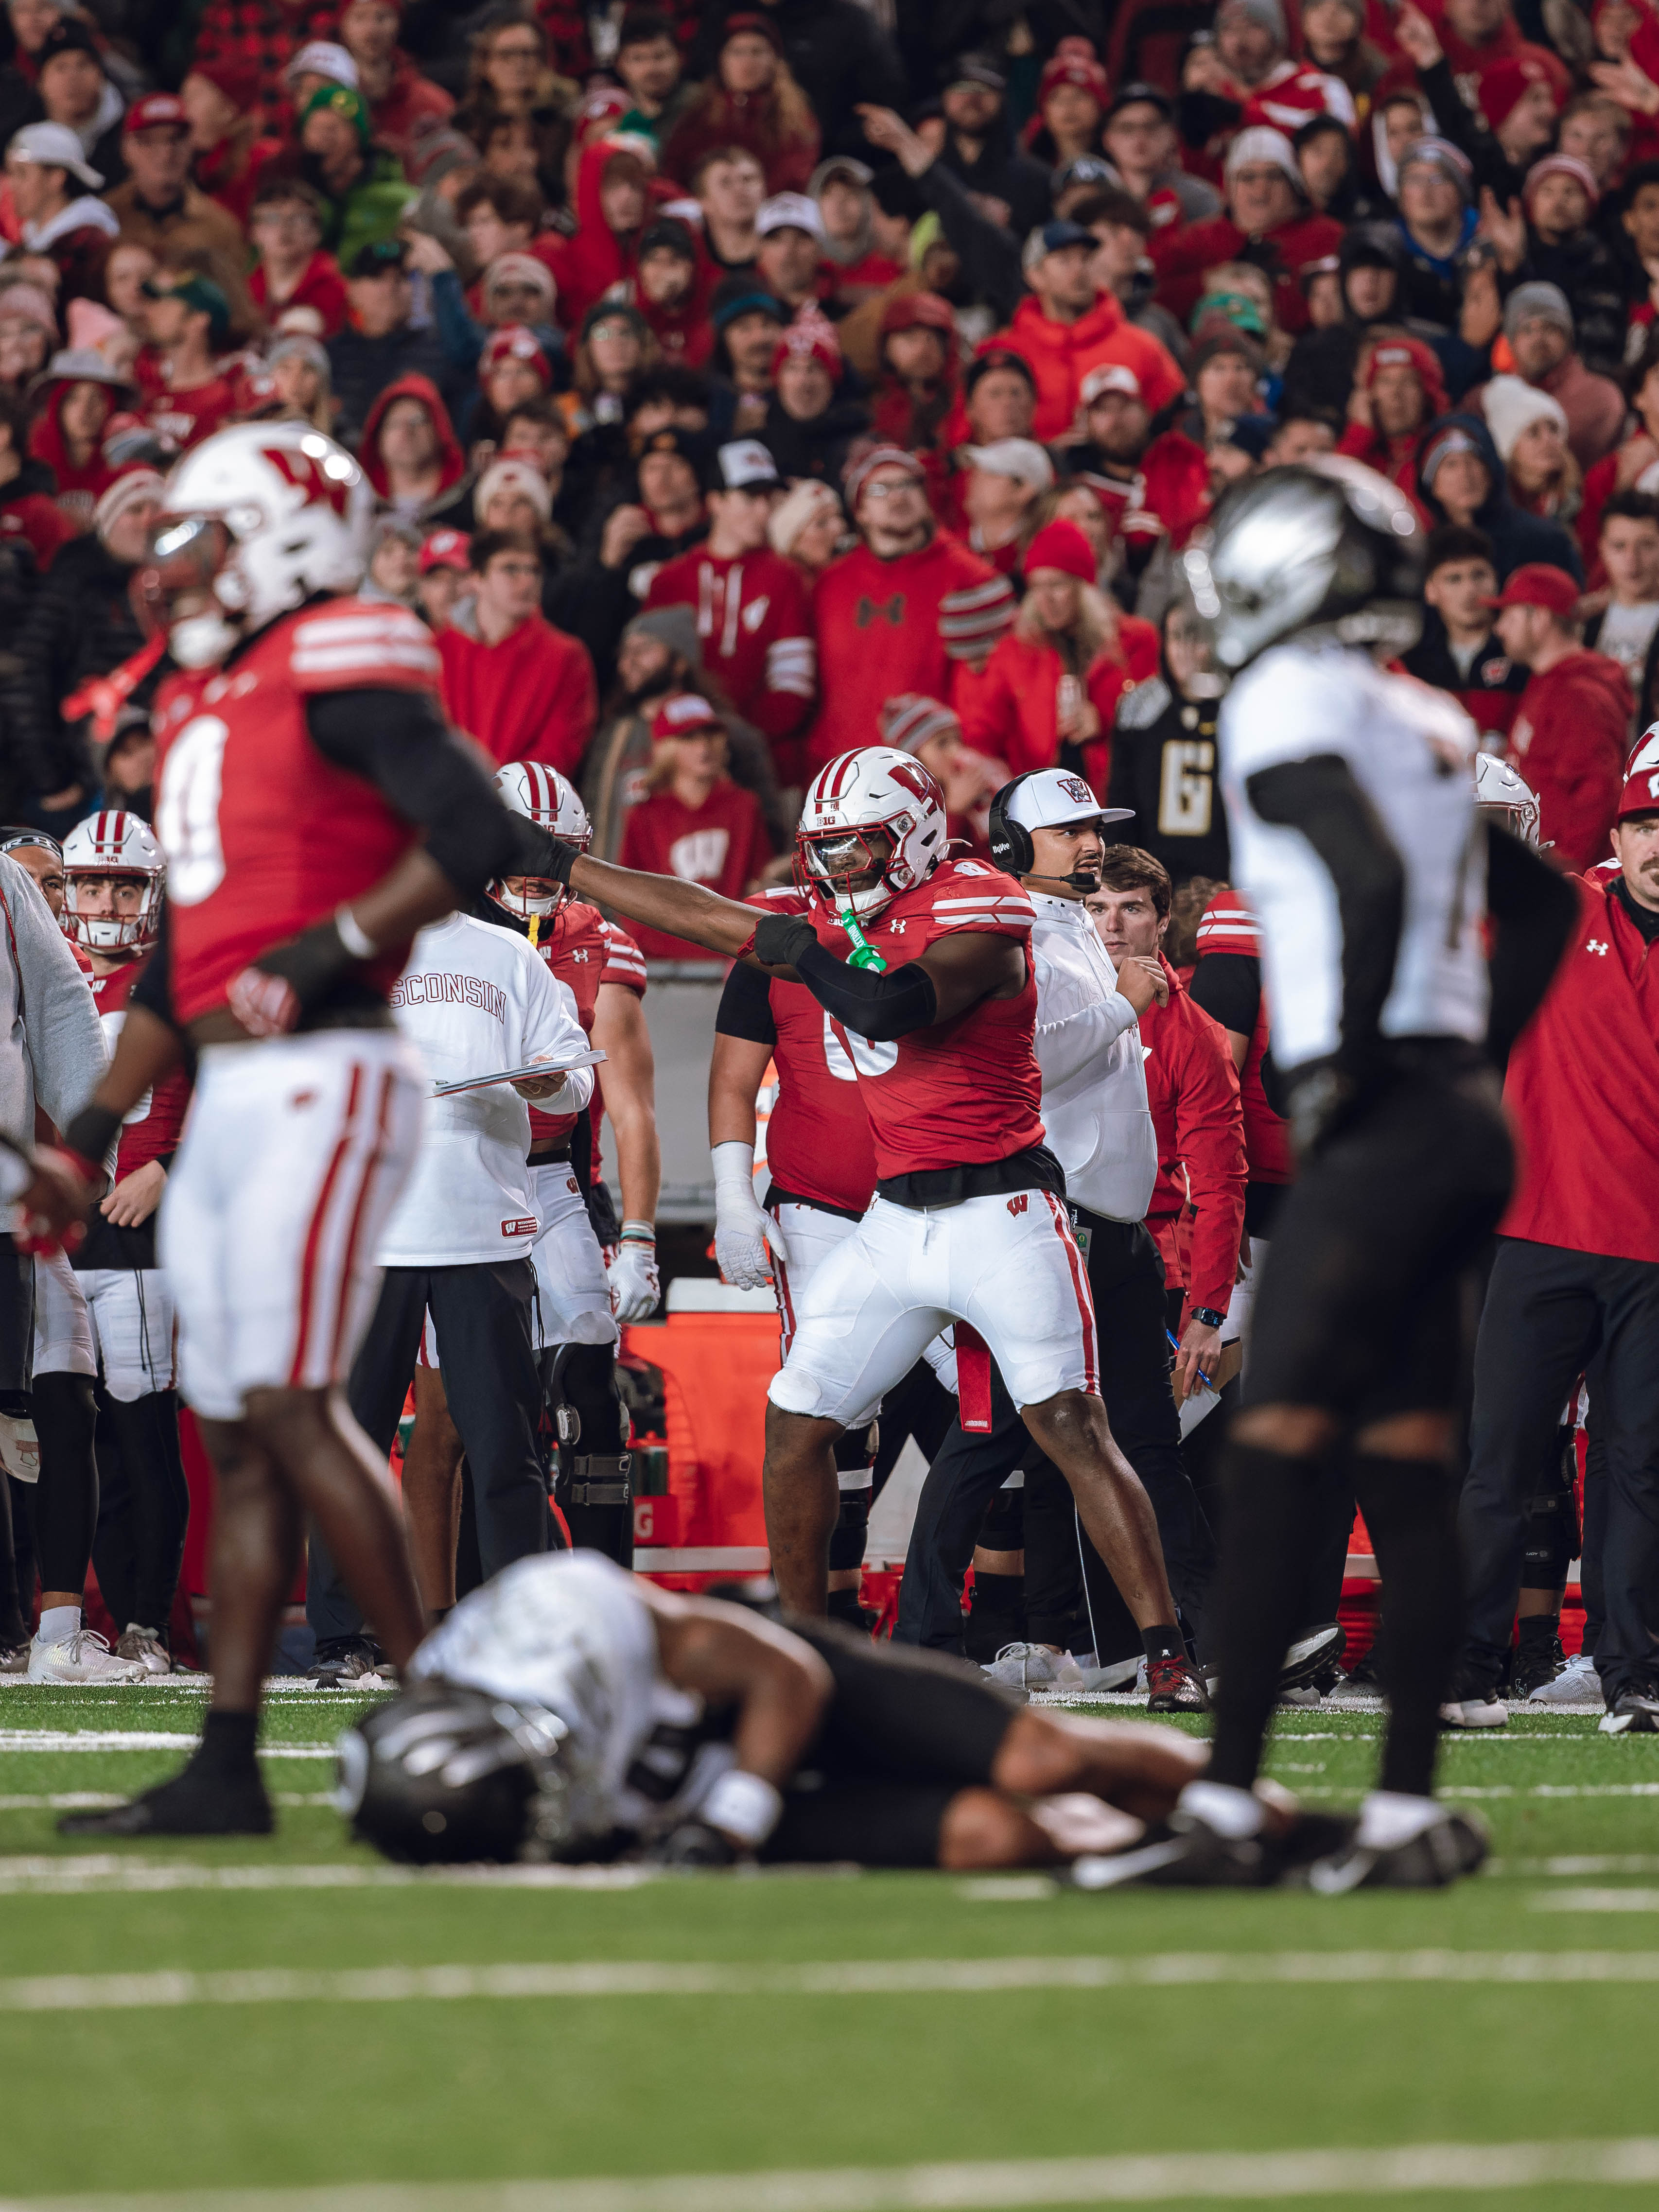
[
  {"x": 1351, "y": 803},
  {"x": 566, "y": 1711}
]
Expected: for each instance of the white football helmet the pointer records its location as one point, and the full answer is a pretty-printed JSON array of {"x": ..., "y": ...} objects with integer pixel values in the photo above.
[
  {"x": 1500, "y": 789},
  {"x": 872, "y": 826},
  {"x": 253, "y": 521},
  {"x": 548, "y": 799},
  {"x": 112, "y": 844}
]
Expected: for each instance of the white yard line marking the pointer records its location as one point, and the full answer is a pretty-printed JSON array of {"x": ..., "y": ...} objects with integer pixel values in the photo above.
[
  {"x": 1597, "y": 1901},
  {"x": 892, "y": 1977},
  {"x": 107, "y": 1874},
  {"x": 977, "y": 2185},
  {"x": 1457, "y": 1791},
  {"x": 56, "y": 1740},
  {"x": 94, "y": 1801}
]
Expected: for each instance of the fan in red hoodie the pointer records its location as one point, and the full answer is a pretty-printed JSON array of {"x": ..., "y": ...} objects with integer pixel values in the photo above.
[
  {"x": 614, "y": 199},
  {"x": 696, "y": 823},
  {"x": 523, "y": 689},
  {"x": 83, "y": 393},
  {"x": 671, "y": 287},
  {"x": 1404, "y": 392},
  {"x": 417, "y": 466},
  {"x": 1572, "y": 732}
]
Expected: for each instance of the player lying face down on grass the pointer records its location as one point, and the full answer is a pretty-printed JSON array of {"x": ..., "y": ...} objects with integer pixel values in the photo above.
[
  {"x": 569, "y": 1711},
  {"x": 924, "y": 964}
]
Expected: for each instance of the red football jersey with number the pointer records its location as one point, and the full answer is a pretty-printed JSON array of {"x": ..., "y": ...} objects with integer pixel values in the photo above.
[
  {"x": 964, "y": 1092},
  {"x": 819, "y": 1144},
  {"x": 150, "y": 1131},
  {"x": 264, "y": 837}
]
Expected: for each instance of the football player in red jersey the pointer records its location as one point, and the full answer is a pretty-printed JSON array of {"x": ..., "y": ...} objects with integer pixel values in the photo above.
[
  {"x": 115, "y": 880},
  {"x": 315, "y": 811},
  {"x": 968, "y": 1224}
]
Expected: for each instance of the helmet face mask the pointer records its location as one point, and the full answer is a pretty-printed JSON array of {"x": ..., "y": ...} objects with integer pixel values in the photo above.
[
  {"x": 548, "y": 799},
  {"x": 1328, "y": 550}
]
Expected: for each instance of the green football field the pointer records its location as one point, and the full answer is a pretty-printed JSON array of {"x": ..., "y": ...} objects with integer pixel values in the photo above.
[{"x": 291, "y": 2024}]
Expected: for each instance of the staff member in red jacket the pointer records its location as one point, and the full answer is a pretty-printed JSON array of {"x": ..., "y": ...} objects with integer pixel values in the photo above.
[
  {"x": 1577, "y": 1279},
  {"x": 1572, "y": 728},
  {"x": 1197, "y": 1213}
]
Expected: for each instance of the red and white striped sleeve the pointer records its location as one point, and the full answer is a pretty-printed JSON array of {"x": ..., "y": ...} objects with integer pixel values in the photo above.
[
  {"x": 981, "y": 898},
  {"x": 1227, "y": 925},
  {"x": 624, "y": 962},
  {"x": 353, "y": 644}
]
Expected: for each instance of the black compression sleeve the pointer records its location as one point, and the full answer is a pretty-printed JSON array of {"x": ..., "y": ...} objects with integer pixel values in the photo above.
[
  {"x": 399, "y": 742},
  {"x": 1228, "y": 986},
  {"x": 1320, "y": 799},
  {"x": 1535, "y": 909},
  {"x": 882, "y": 1007},
  {"x": 745, "y": 1007}
]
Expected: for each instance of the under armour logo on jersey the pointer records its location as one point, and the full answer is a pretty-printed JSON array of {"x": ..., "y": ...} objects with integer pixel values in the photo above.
[
  {"x": 868, "y": 612},
  {"x": 1020, "y": 1204},
  {"x": 1594, "y": 945},
  {"x": 582, "y": 957}
]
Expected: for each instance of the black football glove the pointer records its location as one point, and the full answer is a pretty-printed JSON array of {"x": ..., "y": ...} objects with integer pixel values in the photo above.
[
  {"x": 692, "y": 1847},
  {"x": 781, "y": 938},
  {"x": 541, "y": 853},
  {"x": 271, "y": 994}
]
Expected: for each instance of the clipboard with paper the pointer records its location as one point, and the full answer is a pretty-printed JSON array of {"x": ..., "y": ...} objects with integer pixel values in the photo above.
[{"x": 535, "y": 1069}]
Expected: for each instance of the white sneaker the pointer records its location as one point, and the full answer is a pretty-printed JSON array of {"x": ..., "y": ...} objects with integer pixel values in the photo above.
[
  {"x": 1116, "y": 1674},
  {"x": 145, "y": 1645},
  {"x": 1577, "y": 1683},
  {"x": 1486, "y": 1712},
  {"x": 1035, "y": 1667},
  {"x": 85, "y": 1657}
]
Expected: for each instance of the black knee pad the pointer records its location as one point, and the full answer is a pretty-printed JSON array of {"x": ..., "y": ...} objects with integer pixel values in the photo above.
[
  {"x": 583, "y": 1401},
  {"x": 847, "y": 1537},
  {"x": 1554, "y": 1536},
  {"x": 1002, "y": 1529},
  {"x": 856, "y": 1448}
]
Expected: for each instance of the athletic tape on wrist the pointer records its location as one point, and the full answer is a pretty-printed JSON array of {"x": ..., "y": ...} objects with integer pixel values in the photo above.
[{"x": 744, "y": 1806}]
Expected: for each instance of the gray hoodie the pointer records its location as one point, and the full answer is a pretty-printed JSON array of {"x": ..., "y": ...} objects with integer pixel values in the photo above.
[{"x": 52, "y": 1045}]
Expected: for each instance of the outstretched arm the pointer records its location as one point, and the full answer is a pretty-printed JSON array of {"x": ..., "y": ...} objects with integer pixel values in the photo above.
[{"x": 663, "y": 903}]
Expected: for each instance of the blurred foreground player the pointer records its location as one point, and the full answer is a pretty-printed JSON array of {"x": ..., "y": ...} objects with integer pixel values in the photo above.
[
  {"x": 567, "y": 1712},
  {"x": 315, "y": 811},
  {"x": 1351, "y": 801},
  {"x": 924, "y": 967}
]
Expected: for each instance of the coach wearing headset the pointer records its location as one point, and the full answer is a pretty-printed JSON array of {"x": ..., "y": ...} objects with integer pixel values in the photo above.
[{"x": 1046, "y": 829}]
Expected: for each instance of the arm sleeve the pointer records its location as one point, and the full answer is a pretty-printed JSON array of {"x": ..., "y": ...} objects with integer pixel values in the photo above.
[
  {"x": 399, "y": 742},
  {"x": 882, "y": 1008},
  {"x": 745, "y": 1007},
  {"x": 61, "y": 1028},
  {"x": 1210, "y": 1140},
  {"x": 1535, "y": 909},
  {"x": 1320, "y": 798},
  {"x": 1228, "y": 986}
]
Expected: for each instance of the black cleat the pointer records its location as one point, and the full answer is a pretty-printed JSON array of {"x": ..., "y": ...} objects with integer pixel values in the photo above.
[
  {"x": 1452, "y": 1845},
  {"x": 193, "y": 1803},
  {"x": 1534, "y": 1667},
  {"x": 344, "y": 1665},
  {"x": 1182, "y": 1852},
  {"x": 1634, "y": 1712},
  {"x": 1174, "y": 1685}
]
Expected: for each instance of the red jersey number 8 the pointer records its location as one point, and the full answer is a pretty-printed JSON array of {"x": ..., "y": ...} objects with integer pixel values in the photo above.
[
  {"x": 187, "y": 811},
  {"x": 858, "y": 1056}
]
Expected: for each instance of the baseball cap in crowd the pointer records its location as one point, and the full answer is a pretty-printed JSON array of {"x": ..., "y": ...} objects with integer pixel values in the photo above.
[
  {"x": 1054, "y": 238},
  {"x": 1110, "y": 376},
  {"x": 975, "y": 69},
  {"x": 445, "y": 549},
  {"x": 691, "y": 445},
  {"x": 322, "y": 57},
  {"x": 201, "y": 295},
  {"x": 53, "y": 146},
  {"x": 1060, "y": 544},
  {"x": 1501, "y": 88},
  {"x": 683, "y": 715},
  {"x": 157, "y": 111},
  {"x": 989, "y": 356},
  {"x": 1022, "y": 459},
  {"x": 1251, "y": 434},
  {"x": 1641, "y": 792},
  {"x": 1054, "y": 797},
  {"x": 744, "y": 464},
  {"x": 341, "y": 99},
  {"x": 1138, "y": 94},
  {"x": 1539, "y": 584},
  {"x": 908, "y": 720},
  {"x": 790, "y": 211},
  {"x": 1092, "y": 169},
  {"x": 381, "y": 257}
]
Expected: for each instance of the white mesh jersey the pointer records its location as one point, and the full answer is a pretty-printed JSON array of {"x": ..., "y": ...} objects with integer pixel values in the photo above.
[
  {"x": 1411, "y": 750},
  {"x": 567, "y": 1631}
]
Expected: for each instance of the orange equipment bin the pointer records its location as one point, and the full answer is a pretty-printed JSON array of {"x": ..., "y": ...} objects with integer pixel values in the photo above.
[{"x": 708, "y": 1525}]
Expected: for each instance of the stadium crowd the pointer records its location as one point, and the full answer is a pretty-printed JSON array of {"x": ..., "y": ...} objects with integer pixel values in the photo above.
[{"x": 743, "y": 384}]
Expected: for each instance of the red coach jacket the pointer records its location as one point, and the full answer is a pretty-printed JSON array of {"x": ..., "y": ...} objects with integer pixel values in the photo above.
[
  {"x": 1582, "y": 1091},
  {"x": 1569, "y": 739},
  {"x": 1192, "y": 1088}
]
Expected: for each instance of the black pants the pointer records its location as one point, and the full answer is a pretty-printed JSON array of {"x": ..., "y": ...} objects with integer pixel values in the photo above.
[
  {"x": 1548, "y": 1313},
  {"x": 1125, "y": 1280},
  {"x": 482, "y": 1317}
]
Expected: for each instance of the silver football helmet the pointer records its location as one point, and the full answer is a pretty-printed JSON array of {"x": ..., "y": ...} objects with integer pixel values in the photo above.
[
  {"x": 1331, "y": 547},
  {"x": 1501, "y": 791}
]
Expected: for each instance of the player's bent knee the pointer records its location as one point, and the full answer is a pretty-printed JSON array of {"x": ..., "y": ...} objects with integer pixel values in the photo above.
[
  {"x": 982, "y": 1828},
  {"x": 1297, "y": 1430}
]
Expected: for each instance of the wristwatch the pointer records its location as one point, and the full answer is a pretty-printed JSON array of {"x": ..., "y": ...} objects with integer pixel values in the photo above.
[{"x": 1208, "y": 1314}]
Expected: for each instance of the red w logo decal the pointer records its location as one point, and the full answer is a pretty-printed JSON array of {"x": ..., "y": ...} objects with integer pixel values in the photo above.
[
  {"x": 1020, "y": 1204},
  {"x": 915, "y": 780},
  {"x": 307, "y": 474}
]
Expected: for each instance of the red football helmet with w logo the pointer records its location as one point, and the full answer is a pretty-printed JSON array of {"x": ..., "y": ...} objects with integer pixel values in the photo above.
[
  {"x": 872, "y": 826},
  {"x": 255, "y": 520}
]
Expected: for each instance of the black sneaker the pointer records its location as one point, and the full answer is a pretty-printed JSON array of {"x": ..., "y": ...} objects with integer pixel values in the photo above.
[
  {"x": 343, "y": 1664},
  {"x": 195, "y": 1802},
  {"x": 1453, "y": 1844},
  {"x": 1182, "y": 1852},
  {"x": 1634, "y": 1712},
  {"x": 1312, "y": 1656},
  {"x": 1535, "y": 1667}
]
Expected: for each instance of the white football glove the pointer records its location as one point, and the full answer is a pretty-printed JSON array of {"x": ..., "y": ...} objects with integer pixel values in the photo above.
[
  {"x": 746, "y": 1235},
  {"x": 635, "y": 1287}
]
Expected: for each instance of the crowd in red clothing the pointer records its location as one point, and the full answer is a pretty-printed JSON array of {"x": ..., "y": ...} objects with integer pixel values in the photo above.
[{"x": 758, "y": 354}]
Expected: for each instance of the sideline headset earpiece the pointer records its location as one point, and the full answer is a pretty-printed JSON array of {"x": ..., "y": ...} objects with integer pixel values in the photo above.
[{"x": 1010, "y": 841}]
